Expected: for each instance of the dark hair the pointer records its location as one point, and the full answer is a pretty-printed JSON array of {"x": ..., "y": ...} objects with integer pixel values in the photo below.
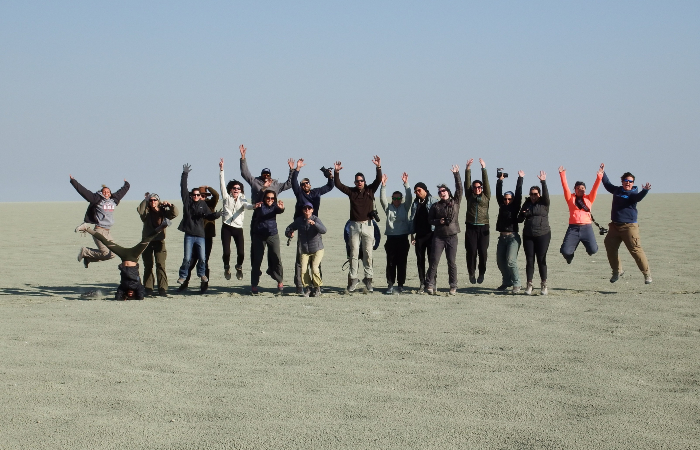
[
  {"x": 232, "y": 183},
  {"x": 535, "y": 188},
  {"x": 579, "y": 183},
  {"x": 270, "y": 191},
  {"x": 628, "y": 174},
  {"x": 195, "y": 189},
  {"x": 360, "y": 174},
  {"x": 397, "y": 192},
  {"x": 444, "y": 186}
]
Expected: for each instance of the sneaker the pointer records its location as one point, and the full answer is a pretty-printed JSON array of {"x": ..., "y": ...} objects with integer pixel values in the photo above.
[
  {"x": 504, "y": 287},
  {"x": 390, "y": 290},
  {"x": 239, "y": 272},
  {"x": 353, "y": 284},
  {"x": 280, "y": 287},
  {"x": 149, "y": 292},
  {"x": 429, "y": 290},
  {"x": 569, "y": 258},
  {"x": 516, "y": 289},
  {"x": 82, "y": 228},
  {"x": 203, "y": 287},
  {"x": 300, "y": 290},
  {"x": 254, "y": 290},
  {"x": 227, "y": 272},
  {"x": 543, "y": 288},
  {"x": 180, "y": 281},
  {"x": 317, "y": 292},
  {"x": 647, "y": 278},
  {"x": 399, "y": 290},
  {"x": 306, "y": 292},
  {"x": 453, "y": 291},
  {"x": 183, "y": 285},
  {"x": 162, "y": 292},
  {"x": 616, "y": 276},
  {"x": 480, "y": 279},
  {"x": 204, "y": 279},
  {"x": 368, "y": 284},
  {"x": 528, "y": 289},
  {"x": 472, "y": 279},
  {"x": 80, "y": 258}
]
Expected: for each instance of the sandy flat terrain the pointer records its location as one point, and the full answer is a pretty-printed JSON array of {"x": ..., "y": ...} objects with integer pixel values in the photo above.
[{"x": 593, "y": 364}]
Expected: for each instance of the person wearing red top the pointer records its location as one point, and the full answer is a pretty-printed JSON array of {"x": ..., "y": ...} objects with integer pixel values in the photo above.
[{"x": 580, "y": 220}]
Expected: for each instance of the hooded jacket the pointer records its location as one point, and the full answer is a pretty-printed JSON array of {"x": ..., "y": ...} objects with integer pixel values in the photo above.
[
  {"x": 447, "y": 209},
  {"x": 477, "y": 205},
  {"x": 233, "y": 211},
  {"x": 624, "y": 204},
  {"x": 313, "y": 197},
  {"x": 100, "y": 210},
  {"x": 193, "y": 212},
  {"x": 508, "y": 214},
  {"x": 536, "y": 215},
  {"x": 309, "y": 235},
  {"x": 397, "y": 219},
  {"x": 257, "y": 184},
  {"x": 152, "y": 219}
]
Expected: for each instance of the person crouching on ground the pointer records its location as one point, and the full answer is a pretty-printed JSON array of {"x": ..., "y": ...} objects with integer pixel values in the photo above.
[
  {"x": 624, "y": 226},
  {"x": 509, "y": 239},
  {"x": 194, "y": 211},
  {"x": 398, "y": 227},
  {"x": 444, "y": 216},
  {"x": 152, "y": 212},
  {"x": 310, "y": 229},
  {"x": 263, "y": 233},
  {"x": 580, "y": 221}
]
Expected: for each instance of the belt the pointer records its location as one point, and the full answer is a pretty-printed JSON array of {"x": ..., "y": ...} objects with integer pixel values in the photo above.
[{"x": 506, "y": 233}]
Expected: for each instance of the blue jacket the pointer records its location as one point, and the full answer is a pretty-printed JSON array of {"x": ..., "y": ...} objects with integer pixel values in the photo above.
[
  {"x": 264, "y": 221},
  {"x": 624, "y": 204},
  {"x": 313, "y": 197},
  {"x": 309, "y": 235}
]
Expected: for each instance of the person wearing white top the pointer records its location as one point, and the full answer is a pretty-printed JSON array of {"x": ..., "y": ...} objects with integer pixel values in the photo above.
[{"x": 233, "y": 213}]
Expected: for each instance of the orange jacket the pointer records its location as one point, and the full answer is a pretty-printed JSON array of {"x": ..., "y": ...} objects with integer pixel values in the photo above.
[{"x": 578, "y": 216}]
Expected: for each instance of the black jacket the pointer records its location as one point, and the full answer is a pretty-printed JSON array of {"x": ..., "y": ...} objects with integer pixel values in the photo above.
[
  {"x": 508, "y": 214},
  {"x": 193, "y": 213},
  {"x": 536, "y": 215}
]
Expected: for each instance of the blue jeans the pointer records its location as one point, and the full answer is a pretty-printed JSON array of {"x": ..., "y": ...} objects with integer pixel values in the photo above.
[
  {"x": 579, "y": 233},
  {"x": 198, "y": 243},
  {"x": 507, "y": 258}
]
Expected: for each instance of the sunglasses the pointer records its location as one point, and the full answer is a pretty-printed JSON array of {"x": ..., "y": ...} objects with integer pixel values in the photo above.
[
  {"x": 196, "y": 195},
  {"x": 359, "y": 181},
  {"x": 269, "y": 198},
  {"x": 534, "y": 194},
  {"x": 153, "y": 200},
  {"x": 235, "y": 188},
  {"x": 477, "y": 187},
  {"x": 628, "y": 181},
  {"x": 396, "y": 198},
  {"x": 440, "y": 191},
  {"x": 303, "y": 183}
]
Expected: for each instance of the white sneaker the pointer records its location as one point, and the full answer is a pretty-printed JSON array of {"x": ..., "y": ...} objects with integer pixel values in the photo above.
[
  {"x": 528, "y": 289},
  {"x": 647, "y": 278},
  {"x": 543, "y": 288}
]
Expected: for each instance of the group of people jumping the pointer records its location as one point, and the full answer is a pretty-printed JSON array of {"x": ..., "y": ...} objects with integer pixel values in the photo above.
[{"x": 430, "y": 224}]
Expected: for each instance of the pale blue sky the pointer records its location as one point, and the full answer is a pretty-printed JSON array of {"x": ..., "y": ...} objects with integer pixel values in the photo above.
[{"x": 114, "y": 90}]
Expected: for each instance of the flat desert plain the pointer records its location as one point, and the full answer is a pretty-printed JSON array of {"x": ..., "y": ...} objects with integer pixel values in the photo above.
[{"x": 591, "y": 365}]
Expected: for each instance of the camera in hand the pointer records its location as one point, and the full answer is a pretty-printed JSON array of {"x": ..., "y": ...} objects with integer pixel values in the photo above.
[
  {"x": 374, "y": 215},
  {"x": 602, "y": 231},
  {"x": 326, "y": 172},
  {"x": 500, "y": 173}
]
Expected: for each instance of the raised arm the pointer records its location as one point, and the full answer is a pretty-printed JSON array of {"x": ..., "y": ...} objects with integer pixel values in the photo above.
[
  {"x": 382, "y": 194},
  {"x": 327, "y": 188},
  {"x": 485, "y": 179},
  {"x": 87, "y": 195},
  {"x": 336, "y": 179},
  {"x": 459, "y": 193},
  {"x": 596, "y": 184},
  {"x": 499, "y": 191},
  {"x": 173, "y": 213},
  {"x": 408, "y": 198},
  {"x": 117, "y": 196},
  {"x": 519, "y": 188},
  {"x": 184, "y": 192},
  {"x": 245, "y": 173},
  {"x": 222, "y": 180},
  {"x": 288, "y": 184},
  {"x": 141, "y": 209},
  {"x": 378, "y": 178},
  {"x": 564, "y": 184},
  {"x": 295, "y": 182},
  {"x": 214, "y": 197},
  {"x": 608, "y": 185}
]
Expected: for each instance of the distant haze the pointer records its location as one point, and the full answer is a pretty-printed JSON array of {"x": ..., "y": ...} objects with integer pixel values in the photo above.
[{"x": 114, "y": 90}]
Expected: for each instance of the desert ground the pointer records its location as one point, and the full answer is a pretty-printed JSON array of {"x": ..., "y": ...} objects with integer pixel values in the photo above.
[{"x": 591, "y": 365}]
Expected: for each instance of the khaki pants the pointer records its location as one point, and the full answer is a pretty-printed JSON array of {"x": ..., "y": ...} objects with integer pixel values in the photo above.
[
  {"x": 101, "y": 253},
  {"x": 629, "y": 234},
  {"x": 361, "y": 233},
  {"x": 315, "y": 260}
]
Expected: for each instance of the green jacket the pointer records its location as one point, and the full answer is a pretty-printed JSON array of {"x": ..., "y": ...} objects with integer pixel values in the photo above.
[
  {"x": 477, "y": 205},
  {"x": 151, "y": 220}
]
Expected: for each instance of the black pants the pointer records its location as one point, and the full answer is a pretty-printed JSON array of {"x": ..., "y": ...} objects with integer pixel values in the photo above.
[
  {"x": 449, "y": 245},
  {"x": 476, "y": 241},
  {"x": 228, "y": 232},
  {"x": 274, "y": 261},
  {"x": 208, "y": 244},
  {"x": 396, "y": 248},
  {"x": 536, "y": 246},
  {"x": 424, "y": 245}
]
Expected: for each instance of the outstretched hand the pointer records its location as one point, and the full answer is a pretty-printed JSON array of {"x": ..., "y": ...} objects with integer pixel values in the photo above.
[
  {"x": 647, "y": 186},
  {"x": 384, "y": 178},
  {"x": 455, "y": 169},
  {"x": 280, "y": 203},
  {"x": 300, "y": 163},
  {"x": 242, "y": 150},
  {"x": 542, "y": 176},
  {"x": 404, "y": 178},
  {"x": 71, "y": 177},
  {"x": 221, "y": 164},
  {"x": 521, "y": 174},
  {"x": 561, "y": 169},
  {"x": 469, "y": 163},
  {"x": 290, "y": 161},
  {"x": 338, "y": 166},
  {"x": 186, "y": 168},
  {"x": 602, "y": 168},
  {"x": 376, "y": 161},
  {"x": 483, "y": 164}
]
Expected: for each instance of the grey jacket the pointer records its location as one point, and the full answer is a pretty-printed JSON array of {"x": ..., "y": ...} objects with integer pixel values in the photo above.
[
  {"x": 257, "y": 184},
  {"x": 309, "y": 235},
  {"x": 397, "y": 222}
]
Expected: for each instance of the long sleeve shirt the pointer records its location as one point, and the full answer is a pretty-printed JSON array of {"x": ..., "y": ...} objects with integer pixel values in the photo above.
[
  {"x": 257, "y": 184},
  {"x": 397, "y": 219},
  {"x": 624, "y": 204},
  {"x": 233, "y": 211},
  {"x": 578, "y": 216},
  {"x": 152, "y": 219},
  {"x": 313, "y": 196},
  {"x": 477, "y": 204},
  {"x": 361, "y": 201}
]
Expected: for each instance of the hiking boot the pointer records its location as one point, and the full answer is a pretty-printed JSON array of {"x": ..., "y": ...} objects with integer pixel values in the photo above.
[
  {"x": 300, "y": 290},
  {"x": 516, "y": 290},
  {"x": 504, "y": 287},
  {"x": 528, "y": 289},
  {"x": 647, "y": 277},
  {"x": 353, "y": 284},
  {"x": 453, "y": 291},
  {"x": 183, "y": 284},
  {"x": 227, "y": 272},
  {"x": 203, "y": 287},
  {"x": 543, "y": 288},
  {"x": 429, "y": 290},
  {"x": 204, "y": 279},
  {"x": 368, "y": 284},
  {"x": 472, "y": 278},
  {"x": 306, "y": 292},
  {"x": 254, "y": 290},
  {"x": 149, "y": 292},
  {"x": 239, "y": 272},
  {"x": 399, "y": 290},
  {"x": 317, "y": 292},
  {"x": 480, "y": 279},
  {"x": 162, "y": 292},
  {"x": 390, "y": 290},
  {"x": 82, "y": 228},
  {"x": 616, "y": 276},
  {"x": 280, "y": 287}
]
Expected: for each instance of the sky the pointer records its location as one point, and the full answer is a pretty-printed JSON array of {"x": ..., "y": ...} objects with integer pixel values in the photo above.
[{"x": 108, "y": 91}]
